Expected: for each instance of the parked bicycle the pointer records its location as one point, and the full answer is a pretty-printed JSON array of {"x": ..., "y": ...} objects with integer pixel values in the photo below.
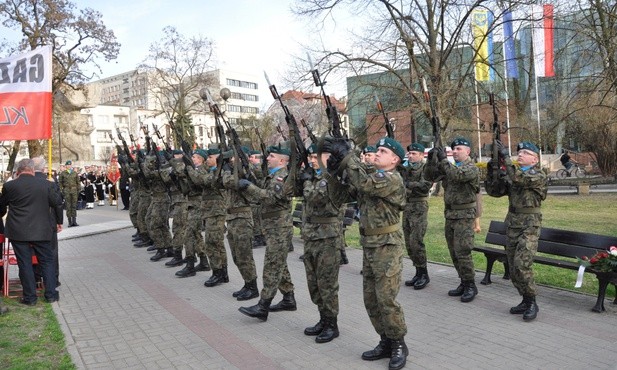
[{"x": 575, "y": 171}]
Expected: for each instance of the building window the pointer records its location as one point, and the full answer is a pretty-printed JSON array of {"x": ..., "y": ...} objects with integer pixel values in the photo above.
[
  {"x": 102, "y": 136},
  {"x": 234, "y": 108}
]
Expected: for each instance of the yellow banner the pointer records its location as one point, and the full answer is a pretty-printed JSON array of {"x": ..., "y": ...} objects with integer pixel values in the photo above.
[{"x": 481, "y": 44}]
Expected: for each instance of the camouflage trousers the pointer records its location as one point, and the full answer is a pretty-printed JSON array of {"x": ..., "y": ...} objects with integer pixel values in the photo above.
[
  {"x": 256, "y": 211},
  {"x": 521, "y": 247},
  {"x": 133, "y": 207},
  {"x": 142, "y": 209},
  {"x": 382, "y": 269},
  {"x": 70, "y": 203},
  {"x": 415, "y": 222},
  {"x": 157, "y": 220},
  {"x": 459, "y": 236},
  {"x": 178, "y": 213},
  {"x": 321, "y": 262},
  {"x": 276, "y": 274},
  {"x": 215, "y": 241},
  {"x": 240, "y": 238},
  {"x": 194, "y": 241}
]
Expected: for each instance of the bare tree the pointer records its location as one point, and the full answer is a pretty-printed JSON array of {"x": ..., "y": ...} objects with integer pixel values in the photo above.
[
  {"x": 79, "y": 39},
  {"x": 177, "y": 67}
]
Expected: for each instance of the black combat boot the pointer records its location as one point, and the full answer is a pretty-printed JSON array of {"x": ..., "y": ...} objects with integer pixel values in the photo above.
[
  {"x": 144, "y": 242},
  {"x": 291, "y": 247},
  {"x": 135, "y": 235},
  {"x": 383, "y": 350},
  {"x": 470, "y": 291},
  {"x": 241, "y": 291},
  {"x": 423, "y": 280},
  {"x": 75, "y": 221},
  {"x": 259, "y": 241},
  {"x": 329, "y": 332},
  {"x": 189, "y": 268},
  {"x": 414, "y": 278},
  {"x": 532, "y": 309},
  {"x": 219, "y": 276},
  {"x": 344, "y": 259},
  {"x": 250, "y": 292},
  {"x": 160, "y": 253},
  {"x": 177, "y": 260},
  {"x": 259, "y": 311},
  {"x": 152, "y": 247},
  {"x": 288, "y": 303},
  {"x": 169, "y": 252},
  {"x": 317, "y": 328},
  {"x": 521, "y": 307},
  {"x": 203, "y": 264},
  {"x": 398, "y": 356},
  {"x": 457, "y": 292}
]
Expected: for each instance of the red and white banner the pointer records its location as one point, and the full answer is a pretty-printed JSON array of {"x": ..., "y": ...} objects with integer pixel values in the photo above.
[
  {"x": 542, "y": 35},
  {"x": 25, "y": 95}
]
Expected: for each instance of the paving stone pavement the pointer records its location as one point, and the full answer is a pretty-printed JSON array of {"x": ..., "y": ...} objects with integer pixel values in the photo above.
[{"x": 119, "y": 310}]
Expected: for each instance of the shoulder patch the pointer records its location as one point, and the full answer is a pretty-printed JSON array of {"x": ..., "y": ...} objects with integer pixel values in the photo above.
[
  {"x": 278, "y": 188},
  {"x": 532, "y": 171},
  {"x": 380, "y": 175},
  {"x": 323, "y": 183}
]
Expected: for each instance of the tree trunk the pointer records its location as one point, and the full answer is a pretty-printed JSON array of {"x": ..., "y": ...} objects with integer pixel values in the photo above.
[
  {"x": 35, "y": 148},
  {"x": 13, "y": 156}
]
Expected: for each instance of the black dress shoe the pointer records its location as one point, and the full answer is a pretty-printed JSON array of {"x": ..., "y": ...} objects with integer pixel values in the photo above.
[
  {"x": 52, "y": 300},
  {"x": 27, "y": 303}
]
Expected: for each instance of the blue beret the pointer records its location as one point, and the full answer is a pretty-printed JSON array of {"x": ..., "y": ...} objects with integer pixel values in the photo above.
[
  {"x": 370, "y": 149},
  {"x": 415, "y": 147},
  {"x": 393, "y": 145},
  {"x": 460, "y": 141},
  {"x": 529, "y": 146},
  {"x": 201, "y": 152}
]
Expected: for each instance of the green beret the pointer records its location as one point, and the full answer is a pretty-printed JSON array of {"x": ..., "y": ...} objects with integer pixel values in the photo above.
[
  {"x": 228, "y": 154},
  {"x": 279, "y": 150},
  {"x": 415, "y": 147},
  {"x": 393, "y": 145},
  {"x": 246, "y": 149},
  {"x": 312, "y": 149},
  {"x": 460, "y": 141},
  {"x": 529, "y": 146},
  {"x": 177, "y": 151},
  {"x": 213, "y": 151},
  {"x": 369, "y": 149},
  {"x": 254, "y": 152},
  {"x": 201, "y": 152},
  {"x": 68, "y": 163}
]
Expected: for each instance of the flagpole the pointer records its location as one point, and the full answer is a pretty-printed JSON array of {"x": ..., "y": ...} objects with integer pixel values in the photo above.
[
  {"x": 505, "y": 83},
  {"x": 538, "y": 116},
  {"x": 49, "y": 159}
]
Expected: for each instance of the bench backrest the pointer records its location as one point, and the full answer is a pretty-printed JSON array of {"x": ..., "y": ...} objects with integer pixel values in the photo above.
[{"x": 557, "y": 242}]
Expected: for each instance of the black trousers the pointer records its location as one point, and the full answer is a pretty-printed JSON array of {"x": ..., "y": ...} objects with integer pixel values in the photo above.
[{"x": 45, "y": 256}]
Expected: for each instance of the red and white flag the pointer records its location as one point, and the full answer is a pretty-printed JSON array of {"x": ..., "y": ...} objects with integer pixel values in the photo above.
[
  {"x": 25, "y": 95},
  {"x": 542, "y": 36}
]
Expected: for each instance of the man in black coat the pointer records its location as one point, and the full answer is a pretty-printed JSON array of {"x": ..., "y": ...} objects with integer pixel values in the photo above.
[
  {"x": 29, "y": 201},
  {"x": 56, "y": 214}
]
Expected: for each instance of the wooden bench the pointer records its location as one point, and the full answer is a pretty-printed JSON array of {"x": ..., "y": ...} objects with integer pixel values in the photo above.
[
  {"x": 348, "y": 218},
  {"x": 563, "y": 243}
]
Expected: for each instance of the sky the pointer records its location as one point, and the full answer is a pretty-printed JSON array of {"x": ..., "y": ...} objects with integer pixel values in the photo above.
[{"x": 250, "y": 35}]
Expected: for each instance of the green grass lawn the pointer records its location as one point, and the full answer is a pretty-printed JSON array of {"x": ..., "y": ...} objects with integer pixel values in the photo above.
[{"x": 593, "y": 213}]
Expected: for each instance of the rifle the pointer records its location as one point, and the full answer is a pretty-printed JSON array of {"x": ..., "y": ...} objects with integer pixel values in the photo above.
[
  {"x": 262, "y": 146},
  {"x": 147, "y": 137},
  {"x": 168, "y": 149},
  {"x": 495, "y": 161},
  {"x": 218, "y": 127},
  {"x": 186, "y": 151},
  {"x": 333, "y": 118},
  {"x": 309, "y": 131},
  {"x": 140, "y": 160},
  {"x": 433, "y": 114},
  {"x": 294, "y": 130},
  {"x": 389, "y": 128},
  {"x": 125, "y": 146}
]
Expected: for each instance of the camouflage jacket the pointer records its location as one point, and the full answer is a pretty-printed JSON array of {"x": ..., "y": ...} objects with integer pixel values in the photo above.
[
  {"x": 156, "y": 183},
  {"x": 461, "y": 184},
  {"x": 416, "y": 186},
  {"x": 273, "y": 198},
  {"x": 525, "y": 189},
  {"x": 322, "y": 216},
  {"x": 238, "y": 206},
  {"x": 213, "y": 195},
  {"x": 69, "y": 182},
  {"x": 381, "y": 198}
]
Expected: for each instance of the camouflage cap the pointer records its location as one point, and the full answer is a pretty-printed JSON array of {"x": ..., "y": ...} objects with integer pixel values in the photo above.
[
  {"x": 460, "y": 141},
  {"x": 529, "y": 146},
  {"x": 393, "y": 145},
  {"x": 415, "y": 147}
]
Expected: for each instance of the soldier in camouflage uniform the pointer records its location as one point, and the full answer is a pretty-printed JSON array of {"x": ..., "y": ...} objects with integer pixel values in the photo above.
[
  {"x": 255, "y": 159},
  {"x": 461, "y": 183},
  {"x": 145, "y": 198},
  {"x": 157, "y": 217},
  {"x": 178, "y": 211},
  {"x": 278, "y": 230},
  {"x": 322, "y": 232},
  {"x": 240, "y": 235},
  {"x": 381, "y": 197},
  {"x": 525, "y": 185},
  {"x": 415, "y": 217},
  {"x": 214, "y": 211},
  {"x": 193, "y": 240},
  {"x": 70, "y": 186}
]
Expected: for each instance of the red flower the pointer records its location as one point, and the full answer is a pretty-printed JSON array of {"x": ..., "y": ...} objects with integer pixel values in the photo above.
[
  {"x": 593, "y": 260},
  {"x": 585, "y": 258},
  {"x": 603, "y": 255}
]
